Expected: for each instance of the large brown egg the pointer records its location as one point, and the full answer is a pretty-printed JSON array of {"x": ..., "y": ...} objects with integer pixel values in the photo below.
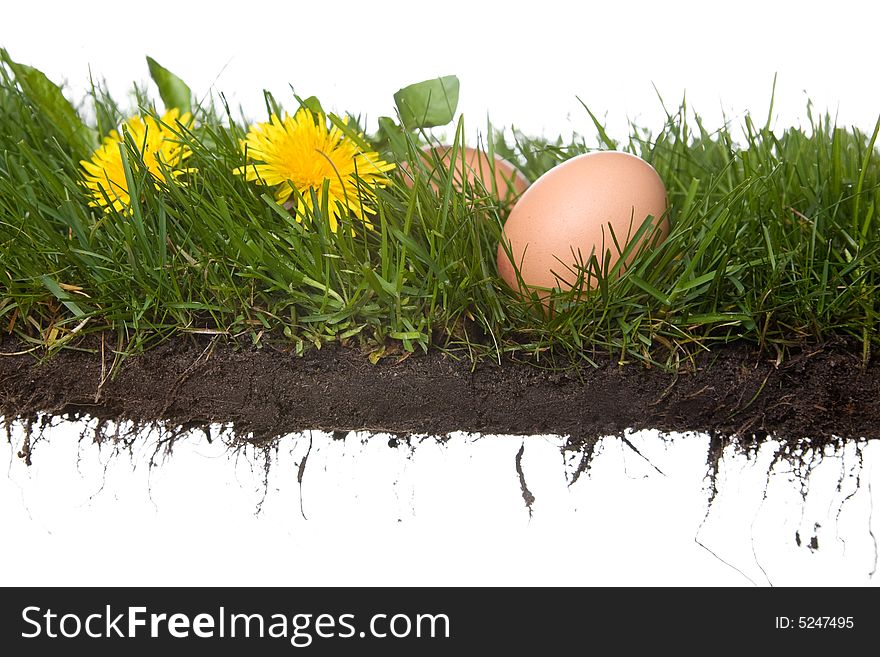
[
  {"x": 508, "y": 183},
  {"x": 565, "y": 215}
]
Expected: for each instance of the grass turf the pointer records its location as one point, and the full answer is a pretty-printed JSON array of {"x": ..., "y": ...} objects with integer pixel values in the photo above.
[{"x": 775, "y": 240}]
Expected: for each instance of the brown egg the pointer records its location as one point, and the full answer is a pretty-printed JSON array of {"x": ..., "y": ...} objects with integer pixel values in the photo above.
[
  {"x": 508, "y": 184},
  {"x": 565, "y": 215}
]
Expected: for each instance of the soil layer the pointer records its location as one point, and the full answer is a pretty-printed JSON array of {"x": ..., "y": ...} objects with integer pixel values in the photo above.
[{"x": 818, "y": 394}]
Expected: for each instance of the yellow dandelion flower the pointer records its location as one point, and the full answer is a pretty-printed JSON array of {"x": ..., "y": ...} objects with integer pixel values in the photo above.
[
  {"x": 299, "y": 152},
  {"x": 158, "y": 145}
]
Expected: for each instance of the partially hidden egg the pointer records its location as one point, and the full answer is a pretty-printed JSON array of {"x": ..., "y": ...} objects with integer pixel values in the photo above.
[
  {"x": 500, "y": 178},
  {"x": 568, "y": 214}
]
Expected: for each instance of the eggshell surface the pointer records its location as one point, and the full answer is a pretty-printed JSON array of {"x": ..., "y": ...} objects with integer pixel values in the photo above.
[
  {"x": 565, "y": 215},
  {"x": 509, "y": 182}
]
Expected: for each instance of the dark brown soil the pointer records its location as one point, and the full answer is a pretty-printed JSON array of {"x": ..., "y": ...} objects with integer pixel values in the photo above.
[{"x": 820, "y": 395}]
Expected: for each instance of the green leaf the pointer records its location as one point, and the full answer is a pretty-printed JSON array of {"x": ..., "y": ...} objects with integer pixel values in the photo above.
[
  {"x": 406, "y": 335},
  {"x": 603, "y": 135},
  {"x": 429, "y": 103},
  {"x": 197, "y": 305},
  {"x": 716, "y": 318},
  {"x": 174, "y": 91},
  {"x": 313, "y": 105},
  {"x": 394, "y": 136},
  {"x": 650, "y": 289},
  {"x": 50, "y": 284},
  {"x": 47, "y": 96}
]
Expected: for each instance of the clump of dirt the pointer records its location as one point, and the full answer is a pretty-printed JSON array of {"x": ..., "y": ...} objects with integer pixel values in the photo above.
[
  {"x": 817, "y": 396},
  {"x": 812, "y": 403}
]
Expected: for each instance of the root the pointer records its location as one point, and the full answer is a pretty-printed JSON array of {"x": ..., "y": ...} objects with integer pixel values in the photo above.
[
  {"x": 587, "y": 449},
  {"x": 527, "y": 496},
  {"x": 628, "y": 443},
  {"x": 300, "y": 472}
]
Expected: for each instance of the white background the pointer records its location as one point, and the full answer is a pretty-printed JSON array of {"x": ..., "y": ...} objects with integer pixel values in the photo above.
[{"x": 448, "y": 514}]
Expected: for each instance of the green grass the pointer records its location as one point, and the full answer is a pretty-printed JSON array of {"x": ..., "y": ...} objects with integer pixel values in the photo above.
[{"x": 775, "y": 240}]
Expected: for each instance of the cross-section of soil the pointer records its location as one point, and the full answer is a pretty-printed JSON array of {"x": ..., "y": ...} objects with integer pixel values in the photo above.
[{"x": 818, "y": 394}]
